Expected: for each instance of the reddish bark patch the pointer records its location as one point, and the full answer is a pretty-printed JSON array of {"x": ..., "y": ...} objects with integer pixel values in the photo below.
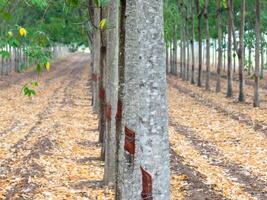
[
  {"x": 146, "y": 185},
  {"x": 119, "y": 110},
  {"x": 108, "y": 111},
  {"x": 102, "y": 94},
  {"x": 94, "y": 77},
  {"x": 129, "y": 143}
]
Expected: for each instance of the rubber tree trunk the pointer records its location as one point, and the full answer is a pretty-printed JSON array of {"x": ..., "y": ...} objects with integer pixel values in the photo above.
[
  {"x": 256, "y": 99},
  {"x": 101, "y": 84},
  {"x": 192, "y": 43},
  {"x": 262, "y": 57},
  {"x": 184, "y": 54},
  {"x": 152, "y": 140},
  {"x": 146, "y": 148},
  {"x": 229, "y": 92},
  {"x": 96, "y": 59},
  {"x": 111, "y": 93},
  {"x": 241, "y": 54},
  {"x": 199, "y": 13},
  {"x": 181, "y": 52},
  {"x": 249, "y": 60},
  {"x": 220, "y": 43},
  {"x": 207, "y": 86},
  {"x": 120, "y": 161},
  {"x": 167, "y": 59},
  {"x": 175, "y": 51}
]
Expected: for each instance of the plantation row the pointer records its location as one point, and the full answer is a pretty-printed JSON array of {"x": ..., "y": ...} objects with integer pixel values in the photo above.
[{"x": 231, "y": 30}]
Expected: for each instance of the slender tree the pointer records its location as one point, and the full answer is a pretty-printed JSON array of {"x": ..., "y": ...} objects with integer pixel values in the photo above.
[
  {"x": 220, "y": 43},
  {"x": 207, "y": 86},
  {"x": 199, "y": 17},
  {"x": 256, "y": 99},
  {"x": 111, "y": 95},
  {"x": 241, "y": 53},
  {"x": 192, "y": 43},
  {"x": 229, "y": 50}
]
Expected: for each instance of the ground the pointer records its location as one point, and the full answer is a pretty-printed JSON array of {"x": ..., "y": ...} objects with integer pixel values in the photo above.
[{"x": 49, "y": 149}]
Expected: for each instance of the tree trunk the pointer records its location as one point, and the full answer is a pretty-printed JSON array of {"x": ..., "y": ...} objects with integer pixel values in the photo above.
[
  {"x": 181, "y": 52},
  {"x": 146, "y": 149},
  {"x": 207, "y": 86},
  {"x": 192, "y": 43},
  {"x": 175, "y": 51},
  {"x": 119, "y": 116},
  {"x": 256, "y": 99},
  {"x": 262, "y": 56},
  {"x": 229, "y": 51},
  {"x": 220, "y": 43},
  {"x": 188, "y": 59},
  {"x": 167, "y": 59},
  {"x": 152, "y": 159},
  {"x": 112, "y": 96},
  {"x": 96, "y": 61},
  {"x": 241, "y": 53},
  {"x": 184, "y": 54},
  {"x": 249, "y": 61},
  {"x": 102, "y": 92},
  {"x": 199, "y": 13}
]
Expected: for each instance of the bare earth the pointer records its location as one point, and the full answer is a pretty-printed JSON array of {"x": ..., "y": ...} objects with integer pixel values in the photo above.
[{"x": 49, "y": 149}]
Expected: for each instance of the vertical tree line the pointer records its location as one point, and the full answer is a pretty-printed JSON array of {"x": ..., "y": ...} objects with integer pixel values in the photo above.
[
  {"x": 238, "y": 33},
  {"x": 129, "y": 95}
]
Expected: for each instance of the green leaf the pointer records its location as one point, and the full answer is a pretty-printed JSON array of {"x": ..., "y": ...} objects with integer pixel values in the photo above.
[
  {"x": 34, "y": 83},
  {"x": 5, "y": 54}
]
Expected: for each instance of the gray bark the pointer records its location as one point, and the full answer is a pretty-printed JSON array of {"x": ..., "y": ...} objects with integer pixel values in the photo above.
[
  {"x": 229, "y": 50},
  {"x": 256, "y": 99},
  {"x": 219, "y": 65},
  {"x": 111, "y": 92},
  {"x": 152, "y": 140},
  {"x": 192, "y": 43},
  {"x": 119, "y": 114},
  {"x": 207, "y": 86},
  {"x": 199, "y": 16},
  {"x": 96, "y": 60},
  {"x": 241, "y": 54},
  {"x": 128, "y": 183},
  {"x": 145, "y": 105}
]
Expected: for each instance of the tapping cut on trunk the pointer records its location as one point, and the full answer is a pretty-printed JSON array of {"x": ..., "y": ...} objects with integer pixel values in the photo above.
[
  {"x": 146, "y": 185},
  {"x": 102, "y": 94},
  {"x": 129, "y": 144},
  {"x": 108, "y": 111},
  {"x": 94, "y": 77},
  {"x": 119, "y": 110}
]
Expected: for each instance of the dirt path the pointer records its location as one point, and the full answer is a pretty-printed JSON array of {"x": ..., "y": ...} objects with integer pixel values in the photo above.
[
  {"x": 49, "y": 144},
  {"x": 49, "y": 149},
  {"x": 225, "y": 146}
]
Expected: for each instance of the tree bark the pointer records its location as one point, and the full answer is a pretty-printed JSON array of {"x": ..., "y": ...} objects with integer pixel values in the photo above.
[
  {"x": 101, "y": 83},
  {"x": 96, "y": 60},
  {"x": 241, "y": 53},
  {"x": 145, "y": 161},
  {"x": 192, "y": 43},
  {"x": 207, "y": 86},
  {"x": 229, "y": 51},
  {"x": 120, "y": 106},
  {"x": 199, "y": 16},
  {"x": 256, "y": 99},
  {"x": 220, "y": 43},
  {"x": 111, "y": 92}
]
